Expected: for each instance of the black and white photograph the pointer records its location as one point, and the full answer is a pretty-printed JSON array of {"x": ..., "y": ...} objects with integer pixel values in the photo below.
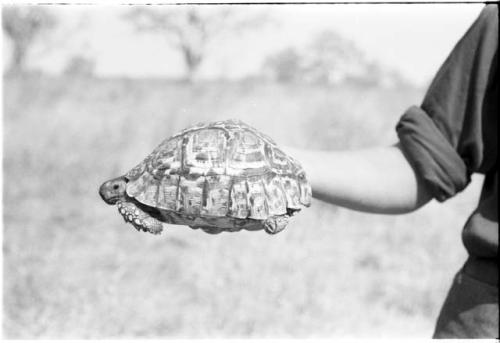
[{"x": 258, "y": 170}]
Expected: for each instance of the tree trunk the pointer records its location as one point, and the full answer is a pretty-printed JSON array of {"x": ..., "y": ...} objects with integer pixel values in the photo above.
[
  {"x": 18, "y": 58},
  {"x": 193, "y": 61}
]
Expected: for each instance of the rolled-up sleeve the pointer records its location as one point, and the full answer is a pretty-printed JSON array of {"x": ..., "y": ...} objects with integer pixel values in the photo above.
[
  {"x": 445, "y": 139},
  {"x": 433, "y": 157}
]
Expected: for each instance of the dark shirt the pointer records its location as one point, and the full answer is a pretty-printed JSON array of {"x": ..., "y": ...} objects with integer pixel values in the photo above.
[{"x": 454, "y": 132}]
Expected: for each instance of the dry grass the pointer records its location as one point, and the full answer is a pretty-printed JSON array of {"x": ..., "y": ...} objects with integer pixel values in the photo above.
[{"x": 73, "y": 269}]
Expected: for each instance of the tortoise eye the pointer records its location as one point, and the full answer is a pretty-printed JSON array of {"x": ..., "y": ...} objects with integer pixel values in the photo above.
[{"x": 116, "y": 186}]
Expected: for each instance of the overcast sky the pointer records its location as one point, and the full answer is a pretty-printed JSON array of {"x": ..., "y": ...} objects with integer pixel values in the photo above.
[{"x": 414, "y": 39}]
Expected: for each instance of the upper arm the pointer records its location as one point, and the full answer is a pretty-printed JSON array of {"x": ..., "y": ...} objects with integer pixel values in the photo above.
[{"x": 453, "y": 133}]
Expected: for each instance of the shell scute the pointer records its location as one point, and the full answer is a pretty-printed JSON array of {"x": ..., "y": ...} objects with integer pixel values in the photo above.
[
  {"x": 305, "y": 190},
  {"x": 280, "y": 163},
  {"x": 205, "y": 152},
  {"x": 257, "y": 198},
  {"x": 168, "y": 195},
  {"x": 167, "y": 158},
  {"x": 216, "y": 195},
  {"x": 239, "y": 207},
  {"x": 145, "y": 189},
  {"x": 191, "y": 195},
  {"x": 136, "y": 172},
  {"x": 247, "y": 155},
  {"x": 292, "y": 192},
  {"x": 276, "y": 198}
]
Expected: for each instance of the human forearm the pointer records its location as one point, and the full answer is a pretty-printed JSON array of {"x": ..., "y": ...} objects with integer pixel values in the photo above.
[{"x": 377, "y": 180}]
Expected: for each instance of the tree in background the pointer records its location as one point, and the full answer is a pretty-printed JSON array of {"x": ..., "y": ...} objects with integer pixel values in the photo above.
[
  {"x": 285, "y": 66},
  {"x": 79, "y": 65},
  {"x": 330, "y": 59},
  {"x": 24, "y": 25},
  {"x": 189, "y": 29}
]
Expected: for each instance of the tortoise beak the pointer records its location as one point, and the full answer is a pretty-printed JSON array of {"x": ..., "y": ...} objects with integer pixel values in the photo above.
[{"x": 103, "y": 193}]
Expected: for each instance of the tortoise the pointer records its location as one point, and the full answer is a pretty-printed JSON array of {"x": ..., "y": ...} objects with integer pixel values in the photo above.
[{"x": 217, "y": 176}]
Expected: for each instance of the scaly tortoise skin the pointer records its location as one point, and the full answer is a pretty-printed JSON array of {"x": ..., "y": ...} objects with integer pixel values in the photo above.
[{"x": 219, "y": 176}]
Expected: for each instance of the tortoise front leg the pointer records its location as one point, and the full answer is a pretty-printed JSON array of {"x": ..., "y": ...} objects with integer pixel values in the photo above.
[{"x": 138, "y": 218}]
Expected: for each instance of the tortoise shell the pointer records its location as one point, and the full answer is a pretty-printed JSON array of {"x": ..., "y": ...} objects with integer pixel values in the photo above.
[{"x": 223, "y": 174}]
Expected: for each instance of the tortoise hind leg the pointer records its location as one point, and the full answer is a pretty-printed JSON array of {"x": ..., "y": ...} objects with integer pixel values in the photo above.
[{"x": 276, "y": 224}]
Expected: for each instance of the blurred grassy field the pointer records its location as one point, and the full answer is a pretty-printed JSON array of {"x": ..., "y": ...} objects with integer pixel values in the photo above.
[{"x": 74, "y": 269}]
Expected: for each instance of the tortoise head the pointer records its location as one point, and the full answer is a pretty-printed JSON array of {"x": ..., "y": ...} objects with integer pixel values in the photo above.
[{"x": 113, "y": 190}]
